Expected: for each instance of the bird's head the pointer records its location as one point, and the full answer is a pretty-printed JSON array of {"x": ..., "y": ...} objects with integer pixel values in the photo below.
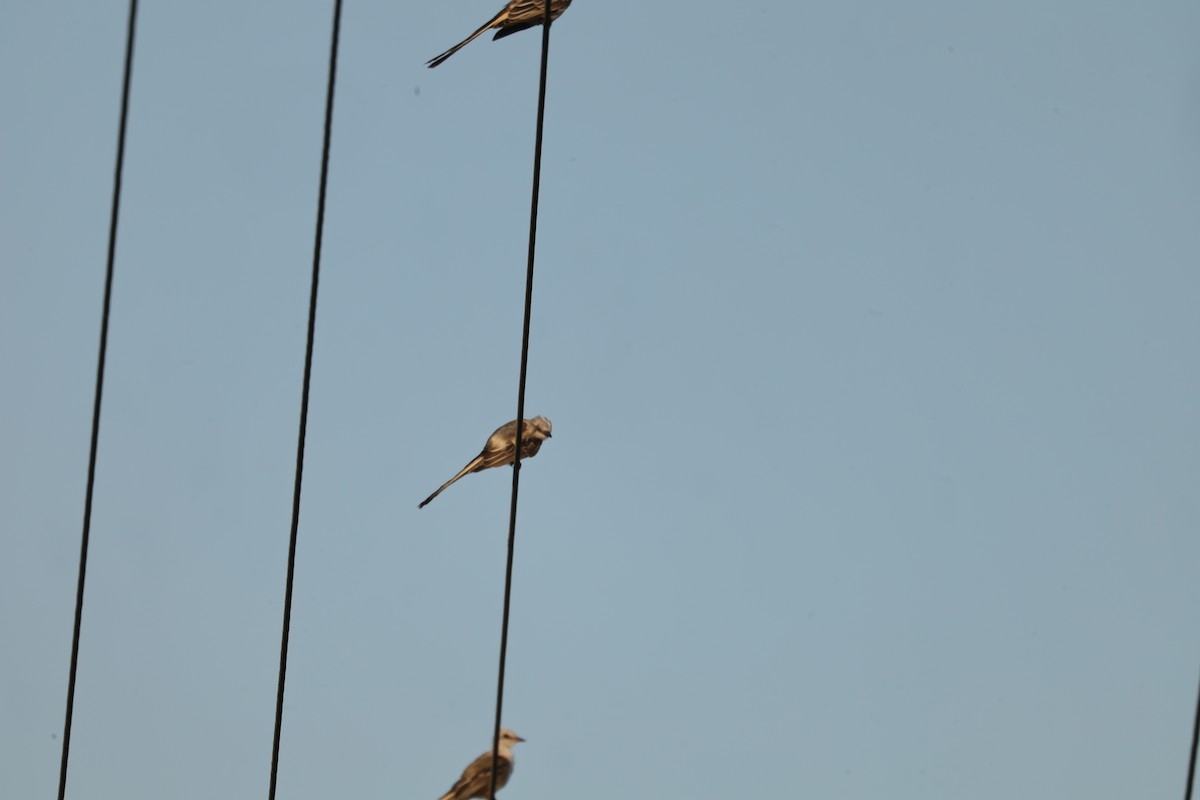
[
  {"x": 539, "y": 428},
  {"x": 509, "y": 737}
]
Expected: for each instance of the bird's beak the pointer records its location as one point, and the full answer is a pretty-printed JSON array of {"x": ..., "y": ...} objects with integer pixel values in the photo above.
[{"x": 518, "y": 738}]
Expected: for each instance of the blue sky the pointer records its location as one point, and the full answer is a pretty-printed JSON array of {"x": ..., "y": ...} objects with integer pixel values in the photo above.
[{"x": 868, "y": 333}]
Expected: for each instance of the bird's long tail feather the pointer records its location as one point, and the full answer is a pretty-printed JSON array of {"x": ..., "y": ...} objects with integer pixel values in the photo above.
[
  {"x": 471, "y": 467},
  {"x": 433, "y": 62}
]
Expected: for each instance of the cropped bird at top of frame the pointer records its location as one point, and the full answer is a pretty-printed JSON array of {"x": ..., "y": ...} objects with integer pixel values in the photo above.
[
  {"x": 500, "y": 448},
  {"x": 516, "y": 16},
  {"x": 476, "y": 779}
]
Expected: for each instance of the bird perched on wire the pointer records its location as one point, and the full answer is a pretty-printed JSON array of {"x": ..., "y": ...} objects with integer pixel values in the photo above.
[
  {"x": 476, "y": 780},
  {"x": 501, "y": 446},
  {"x": 516, "y": 16}
]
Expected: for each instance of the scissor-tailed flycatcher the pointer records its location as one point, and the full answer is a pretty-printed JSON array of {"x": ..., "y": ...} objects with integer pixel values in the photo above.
[
  {"x": 516, "y": 16},
  {"x": 500, "y": 448},
  {"x": 476, "y": 779}
]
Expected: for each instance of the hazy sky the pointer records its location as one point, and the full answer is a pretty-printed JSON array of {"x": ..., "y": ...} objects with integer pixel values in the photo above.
[{"x": 869, "y": 333}]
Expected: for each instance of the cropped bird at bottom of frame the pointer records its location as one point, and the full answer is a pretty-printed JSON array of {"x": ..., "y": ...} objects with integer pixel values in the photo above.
[
  {"x": 476, "y": 780},
  {"x": 501, "y": 447},
  {"x": 516, "y": 16}
]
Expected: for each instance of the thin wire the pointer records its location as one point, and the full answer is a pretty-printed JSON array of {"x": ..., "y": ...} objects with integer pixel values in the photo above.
[
  {"x": 308, "y": 358},
  {"x": 512, "y": 515},
  {"x": 1191, "y": 778},
  {"x": 114, "y": 214}
]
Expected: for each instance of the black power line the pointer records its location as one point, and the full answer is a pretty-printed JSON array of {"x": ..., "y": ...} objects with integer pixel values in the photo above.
[
  {"x": 304, "y": 393},
  {"x": 512, "y": 515},
  {"x": 1191, "y": 778},
  {"x": 114, "y": 214}
]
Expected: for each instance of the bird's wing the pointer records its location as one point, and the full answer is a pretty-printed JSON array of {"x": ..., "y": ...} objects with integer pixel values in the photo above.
[
  {"x": 524, "y": 14},
  {"x": 507, "y": 432},
  {"x": 500, "y": 446},
  {"x": 476, "y": 779}
]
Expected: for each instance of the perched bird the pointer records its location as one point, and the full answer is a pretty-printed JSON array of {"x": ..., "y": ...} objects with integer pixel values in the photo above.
[
  {"x": 500, "y": 448},
  {"x": 476, "y": 779},
  {"x": 516, "y": 16}
]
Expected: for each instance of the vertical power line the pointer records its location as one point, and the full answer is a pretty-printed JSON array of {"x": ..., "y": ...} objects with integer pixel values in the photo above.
[
  {"x": 114, "y": 215},
  {"x": 304, "y": 393},
  {"x": 1191, "y": 776},
  {"x": 512, "y": 515}
]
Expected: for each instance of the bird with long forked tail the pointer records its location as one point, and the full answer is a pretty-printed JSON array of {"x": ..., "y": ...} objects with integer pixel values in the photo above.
[
  {"x": 516, "y": 16},
  {"x": 501, "y": 447}
]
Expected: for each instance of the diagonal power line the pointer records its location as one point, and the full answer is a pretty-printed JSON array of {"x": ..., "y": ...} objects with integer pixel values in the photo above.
[
  {"x": 114, "y": 215},
  {"x": 512, "y": 516},
  {"x": 304, "y": 394},
  {"x": 1191, "y": 776}
]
